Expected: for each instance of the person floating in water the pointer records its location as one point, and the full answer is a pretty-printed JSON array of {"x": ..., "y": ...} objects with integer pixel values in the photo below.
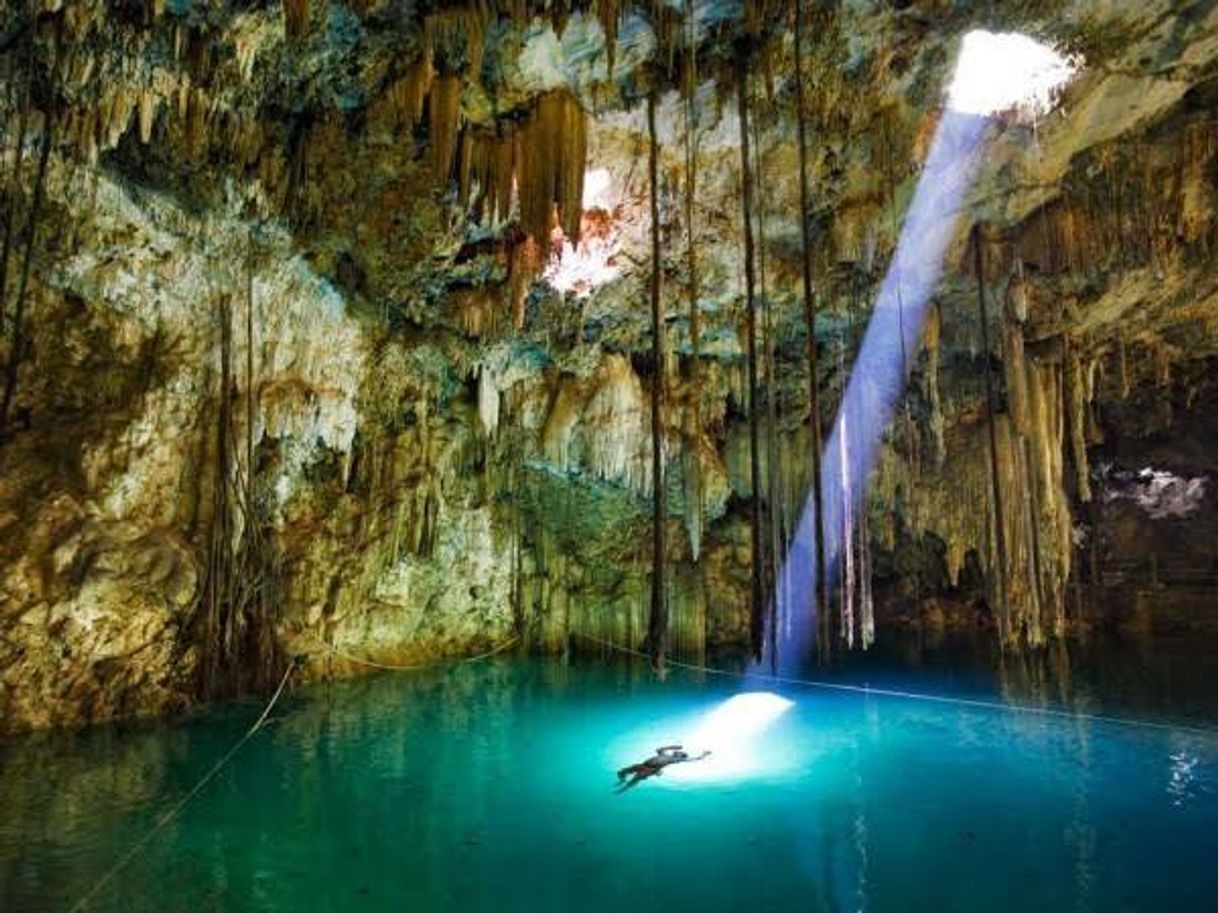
[{"x": 654, "y": 766}]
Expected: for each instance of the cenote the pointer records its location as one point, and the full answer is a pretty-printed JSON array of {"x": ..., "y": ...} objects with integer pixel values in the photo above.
[
  {"x": 582, "y": 456},
  {"x": 491, "y": 786}
]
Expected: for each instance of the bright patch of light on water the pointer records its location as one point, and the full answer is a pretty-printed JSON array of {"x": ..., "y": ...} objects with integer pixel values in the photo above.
[
  {"x": 738, "y": 733},
  {"x": 1183, "y": 774},
  {"x": 491, "y": 788}
]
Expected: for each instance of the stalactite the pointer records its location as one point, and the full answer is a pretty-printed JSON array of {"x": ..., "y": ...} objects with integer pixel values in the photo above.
[
  {"x": 295, "y": 18},
  {"x": 501, "y": 169},
  {"x": 931, "y": 341},
  {"x": 1162, "y": 368},
  {"x": 1093, "y": 377},
  {"x": 195, "y": 129},
  {"x": 551, "y": 155},
  {"x": 444, "y": 113},
  {"x": 866, "y": 602},
  {"x": 1030, "y": 609},
  {"x": 758, "y": 553},
  {"x": 757, "y": 16},
  {"x": 1076, "y": 412},
  {"x": 609, "y": 14},
  {"x": 146, "y": 114},
  {"x": 1037, "y": 528},
  {"x": 488, "y": 168},
  {"x": 1055, "y": 542},
  {"x": 447, "y": 33},
  {"x": 535, "y": 181},
  {"x": 657, "y": 631},
  {"x": 544, "y": 156},
  {"x": 488, "y": 401},
  {"x": 121, "y": 105},
  {"x": 408, "y": 95},
  {"x": 1000, "y": 566},
  {"x": 573, "y": 142},
  {"x": 465, "y": 170},
  {"x": 524, "y": 264}
]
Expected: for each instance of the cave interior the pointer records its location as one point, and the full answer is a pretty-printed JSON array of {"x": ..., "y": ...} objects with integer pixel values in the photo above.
[{"x": 412, "y": 413}]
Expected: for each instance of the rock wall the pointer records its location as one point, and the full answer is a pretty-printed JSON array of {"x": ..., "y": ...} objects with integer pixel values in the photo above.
[{"x": 287, "y": 384}]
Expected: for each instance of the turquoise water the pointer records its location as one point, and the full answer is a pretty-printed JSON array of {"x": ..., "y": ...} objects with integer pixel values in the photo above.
[{"x": 491, "y": 787}]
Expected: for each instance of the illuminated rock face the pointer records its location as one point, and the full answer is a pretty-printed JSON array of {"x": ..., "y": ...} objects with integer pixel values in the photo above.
[{"x": 447, "y": 451}]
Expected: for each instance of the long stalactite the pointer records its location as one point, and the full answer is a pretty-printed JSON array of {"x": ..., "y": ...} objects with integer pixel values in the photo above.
[
  {"x": 295, "y": 18},
  {"x": 999, "y": 531}
]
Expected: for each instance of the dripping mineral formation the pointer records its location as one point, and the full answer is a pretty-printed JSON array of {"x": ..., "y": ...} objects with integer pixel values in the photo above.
[{"x": 376, "y": 333}]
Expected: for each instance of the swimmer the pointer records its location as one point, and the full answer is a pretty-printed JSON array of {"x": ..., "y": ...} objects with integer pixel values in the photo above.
[{"x": 654, "y": 766}]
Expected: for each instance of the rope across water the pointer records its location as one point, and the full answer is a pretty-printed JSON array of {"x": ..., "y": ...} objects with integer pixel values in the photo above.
[
  {"x": 373, "y": 664},
  {"x": 976, "y": 703},
  {"x": 866, "y": 690},
  {"x": 176, "y": 809}
]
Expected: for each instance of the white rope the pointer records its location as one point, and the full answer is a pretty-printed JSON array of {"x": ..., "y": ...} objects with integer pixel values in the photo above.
[
  {"x": 176, "y": 809},
  {"x": 411, "y": 668},
  {"x": 1207, "y": 731}
]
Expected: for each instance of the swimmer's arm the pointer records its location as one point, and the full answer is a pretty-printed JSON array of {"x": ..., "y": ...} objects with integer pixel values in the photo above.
[{"x": 664, "y": 749}]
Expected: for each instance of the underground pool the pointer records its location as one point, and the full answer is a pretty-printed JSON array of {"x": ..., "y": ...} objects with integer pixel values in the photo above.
[{"x": 491, "y": 787}]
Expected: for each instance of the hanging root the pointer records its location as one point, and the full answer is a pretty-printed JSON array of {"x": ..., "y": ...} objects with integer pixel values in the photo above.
[
  {"x": 757, "y": 626},
  {"x": 657, "y": 632},
  {"x": 242, "y": 584},
  {"x": 295, "y": 18}
]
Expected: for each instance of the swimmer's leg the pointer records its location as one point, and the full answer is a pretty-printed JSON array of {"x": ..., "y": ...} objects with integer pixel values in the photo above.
[
  {"x": 631, "y": 783},
  {"x": 638, "y": 770},
  {"x": 639, "y": 773}
]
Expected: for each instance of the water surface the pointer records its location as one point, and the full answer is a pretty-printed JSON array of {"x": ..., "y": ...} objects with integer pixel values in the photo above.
[{"x": 491, "y": 787}]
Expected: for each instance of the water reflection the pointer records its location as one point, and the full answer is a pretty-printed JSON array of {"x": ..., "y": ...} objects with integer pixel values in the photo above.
[
  {"x": 491, "y": 788},
  {"x": 1155, "y": 677}
]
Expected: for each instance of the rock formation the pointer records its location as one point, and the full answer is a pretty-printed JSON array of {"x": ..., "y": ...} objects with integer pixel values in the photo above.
[{"x": 288, "y": 373}]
